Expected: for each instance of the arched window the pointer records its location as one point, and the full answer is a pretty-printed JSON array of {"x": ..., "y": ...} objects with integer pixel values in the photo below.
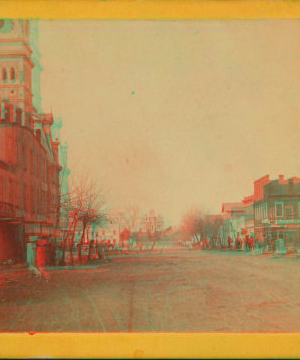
[
  {"x": 12, "y": 74},
  {"x": 24, "y": 158},
  {"x": 4, "y": 75}
]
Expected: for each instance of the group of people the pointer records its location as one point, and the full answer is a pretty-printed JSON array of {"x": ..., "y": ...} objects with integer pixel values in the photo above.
[
  {"x": 245, "y": 243},
  {"x": 248, "y": 242}
]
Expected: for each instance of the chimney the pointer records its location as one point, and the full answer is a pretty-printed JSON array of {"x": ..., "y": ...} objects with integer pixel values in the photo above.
[
  {"x": 280, "y": 177},
  {"x": 291, "y": 181},
  {"x": 38, "y": 135}
]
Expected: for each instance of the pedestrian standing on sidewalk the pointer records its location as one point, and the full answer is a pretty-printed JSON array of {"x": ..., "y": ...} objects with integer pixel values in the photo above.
[
  {"x": 273, "y": 245},
  {"x": 247, "y": 242},
  {"x": 235, "y": 243},
  {"x": 229, "y": 242},
  {"x": 92, "y": 252},
  {"x": 260, "y": 245}
]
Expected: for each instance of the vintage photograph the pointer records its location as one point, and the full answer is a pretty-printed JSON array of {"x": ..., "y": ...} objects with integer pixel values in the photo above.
[{"x": 149, "y": 176}]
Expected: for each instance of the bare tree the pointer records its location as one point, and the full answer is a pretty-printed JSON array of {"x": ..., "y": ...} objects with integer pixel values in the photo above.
[
  {"x": 133, "y": 213},
  {"x": 75, "y": 203},
  {"x": 94, "y": 211},
  {"x": 194, "y": 224}
]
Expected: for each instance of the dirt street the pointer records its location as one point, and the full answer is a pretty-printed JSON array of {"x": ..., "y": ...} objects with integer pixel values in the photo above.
[{"x": 188, "y": 291}]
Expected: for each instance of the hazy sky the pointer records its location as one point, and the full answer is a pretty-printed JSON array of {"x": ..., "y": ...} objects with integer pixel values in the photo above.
[{"x": 173, "y": 114}]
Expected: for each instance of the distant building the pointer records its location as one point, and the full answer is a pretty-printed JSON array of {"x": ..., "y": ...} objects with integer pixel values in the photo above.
[
  {"x": 240, "y": 217},
  {"x": 151, "y": 224},
  {"x": 110, "y": 233}
]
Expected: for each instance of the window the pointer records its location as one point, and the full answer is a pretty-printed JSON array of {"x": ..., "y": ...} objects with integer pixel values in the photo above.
[
  {"x": 20, "y": 195},
  {"x": 37, "y": 165},
  {"x": 279, "y": 209},
  {"x": 43, "y": 169},
  {"x": 25, "y": 197},
  {"x": 19, "y": 155},
  {"x": 21, "y": 77},
  {"x": 16, "y": 193},
  {"x": 30, "y": 209},
  {"x": 46, "y": 172},
  {"x": 41, "y": 202},
  {"x": 24, "y": 158},
  {"x": 12, "y": 74},
  {"x": 37, "y": 199},
  {"x": 33, "y": 162},
  {"x": 4, "y": 75},
  {"x": 265, "y": 211},
  {"x": 4, "y": 189},
  {"x": 45, "y": 203},
  {"x": 289, "y": 213},
  {"x": 50, "y": 202},
  {"x": 10, "y": 191},
  {"x": 33, "y": 200},
  {"x": 40, "y": 167}
]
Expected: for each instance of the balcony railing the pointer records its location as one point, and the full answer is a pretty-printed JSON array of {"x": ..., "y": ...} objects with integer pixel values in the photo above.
[
  {"x": 285, "y": 221},
  {"x": 280, "y": 221},
  {"x": 8, "y": 210}
]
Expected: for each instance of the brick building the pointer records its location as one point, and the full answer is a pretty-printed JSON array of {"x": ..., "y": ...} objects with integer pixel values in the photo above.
[
  {"x": 29, "y": 156},
  {"x": 277, "y": 211}
]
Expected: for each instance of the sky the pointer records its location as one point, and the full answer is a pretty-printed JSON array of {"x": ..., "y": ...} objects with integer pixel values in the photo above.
[{"x": 174, "y": 114}]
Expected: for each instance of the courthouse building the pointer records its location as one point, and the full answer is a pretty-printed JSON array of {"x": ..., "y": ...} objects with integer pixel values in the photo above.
[{"x": 29, "y": 155}]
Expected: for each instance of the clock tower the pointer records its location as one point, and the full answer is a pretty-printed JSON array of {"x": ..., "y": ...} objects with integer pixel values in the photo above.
[{"x": 16, "y": 67}]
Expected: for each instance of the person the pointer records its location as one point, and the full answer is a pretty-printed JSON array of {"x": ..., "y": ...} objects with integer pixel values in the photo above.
[
  {"x": 247, "y": 242},
  {"x": 242, "y": 239},
  {"x": 260, "y": 245},
  {"x": 229, "y": 242},
  {"x": 273, "y": 246},
  {"x": 235, "y": 243},
  {"x": 92, "y": 252},
  {"x": 251, "y": 241}
]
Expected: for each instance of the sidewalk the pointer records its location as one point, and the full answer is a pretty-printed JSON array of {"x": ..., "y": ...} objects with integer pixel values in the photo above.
[
  {"x": 247, "y": 252},
  {"x": 98, "y": 264},
  {"x": 13, "y": 274}
]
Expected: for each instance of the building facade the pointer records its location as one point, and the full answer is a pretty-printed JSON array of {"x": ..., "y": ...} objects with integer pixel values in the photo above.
[
  {"x": 151, "y": 223},
  {"x": 238, "y": 218},
  {"x": 29, "y": 155},
  {"x": 277, "y": 213},
  {"x": 110, "y": 234}
]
